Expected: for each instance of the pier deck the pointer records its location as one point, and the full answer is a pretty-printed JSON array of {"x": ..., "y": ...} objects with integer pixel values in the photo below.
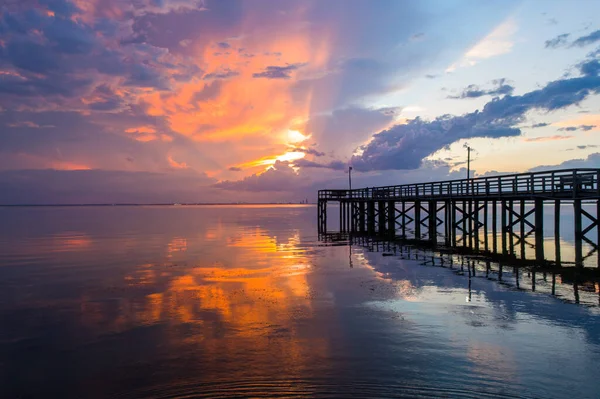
[{"x": 467, "y": 210}]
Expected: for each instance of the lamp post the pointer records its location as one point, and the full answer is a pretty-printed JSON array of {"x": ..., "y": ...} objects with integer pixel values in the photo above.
[
  {"x": 468, "y": 161},
  {"x": 466, "y": 145},
  {"x": 350, "y": 180}
]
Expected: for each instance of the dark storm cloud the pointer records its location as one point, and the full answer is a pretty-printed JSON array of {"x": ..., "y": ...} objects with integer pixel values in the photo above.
[
  {"x": 278, "y": 72},
  {"x": 474, "y": 91},
  {"x": 588, "y": 39},
  {"x": 558, "y": 41}
]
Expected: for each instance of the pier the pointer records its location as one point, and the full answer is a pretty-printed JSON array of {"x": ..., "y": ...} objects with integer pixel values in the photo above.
[{"x": 500, "y": 214}]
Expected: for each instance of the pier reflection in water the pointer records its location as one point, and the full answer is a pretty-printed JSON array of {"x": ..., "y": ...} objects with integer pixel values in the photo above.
[{"x": 246, "y": 301}]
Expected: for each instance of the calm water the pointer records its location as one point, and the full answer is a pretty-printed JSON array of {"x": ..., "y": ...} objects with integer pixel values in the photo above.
[{"x": 164, "y": 302}]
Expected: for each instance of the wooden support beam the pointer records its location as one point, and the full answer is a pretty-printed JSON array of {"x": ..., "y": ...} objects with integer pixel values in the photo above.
[
  {"x": 371, "y": 217},
  {"x": 382, "y": 223},
  {"x": 511, "y": 243},
  {"x": 504, "y": 227},
  {"x": 578, "y": 233},
  {"x": 418, "y": 220},
  {"x": 453, "y": 222},
  {"x": 539, "y": 229},
  {"x": 522, "y": 228},
  {"x": 557, "y": 256},
  {"x": 391, "y": 218},
  {"x": 485, "y": 225},
  {"x": 494, "y": 227},
  {"x": 475, "y": 224},
  {"x": 433, "y": 222},
  {"x": 362, "y": 215}
]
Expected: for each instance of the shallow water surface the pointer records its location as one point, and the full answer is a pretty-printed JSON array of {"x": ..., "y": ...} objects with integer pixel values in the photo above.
[{"x": 204, "y": 301}]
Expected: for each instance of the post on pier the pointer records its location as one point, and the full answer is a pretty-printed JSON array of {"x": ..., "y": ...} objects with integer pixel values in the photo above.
[
  {"x": 511, "y": 215},
  {"x": 494, "y": 227},
  {"x": 361, "y": 217},
  {"x": 522, "y": 229},
  {"x": 504, "y": 227},
  {"x": 471, "y": 225},
  {"x": 391, "y": 218},
  {"x": 475, "y": 228},
  {"x": 464, "y": 222},
  {"x": 342, "y": 216},
  {"x": 433, "y": 222},
  {"x": 485, "y": 226},
  {"x": 382, "y": 217},
  {"x": 417, "y": 219},
  {"x": 578, "y": 233},
  {"x": 539, "y": 229},
  {"x": 448, "y": 223},
  {"x": 371, "y": 217},
  {"x": 557, "y": 232},
  {"x": 453, "y": 222}
]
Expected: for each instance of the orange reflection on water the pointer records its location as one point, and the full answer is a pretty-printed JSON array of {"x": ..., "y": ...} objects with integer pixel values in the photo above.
[{"x": 65, "y": 242}]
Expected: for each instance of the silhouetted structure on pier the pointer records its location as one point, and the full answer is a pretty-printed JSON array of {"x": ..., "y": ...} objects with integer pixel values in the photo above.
[{"x": 462, "y": 209}]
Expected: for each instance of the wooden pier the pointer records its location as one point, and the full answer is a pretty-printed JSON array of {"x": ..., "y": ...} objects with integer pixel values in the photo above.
[{"x": 475, "y": 213}]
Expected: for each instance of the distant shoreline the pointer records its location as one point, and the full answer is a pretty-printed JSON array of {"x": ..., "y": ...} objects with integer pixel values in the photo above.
[{"x": 177, "y": 204}]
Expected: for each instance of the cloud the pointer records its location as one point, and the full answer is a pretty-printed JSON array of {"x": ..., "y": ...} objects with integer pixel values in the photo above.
[
  {"x": 334, "y": 165},
  {"x": 224, "y": 73},
  {"x": 177, "y": 165},
  {"x": 474, "y": 91},
  {"x": 592, "y": 161},
  {"x": 278, "y": 72},
  {"x": 29, "y": 124},
  {"x": 584, "y": 128},
  {"x": 404, "y": 146},
  {"x": 342, "y": 130},
  {"x": 558, "y": 41},
  {"x": 541, "y": 124},
  {"x": 280, "y": 177},
  {"x": 498, "y": 42},
  {"x": 590, "y": 67},
  {"x": 308, "y": 151},
  {"x": 417, "y": 37},
  {"x": 588, "y": 39},
  {"x": 235, "y": 169},
  {"x": 547, "y": 138}
]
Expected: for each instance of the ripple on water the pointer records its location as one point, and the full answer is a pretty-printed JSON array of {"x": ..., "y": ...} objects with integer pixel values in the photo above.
[{"x": 322, "y": 388}]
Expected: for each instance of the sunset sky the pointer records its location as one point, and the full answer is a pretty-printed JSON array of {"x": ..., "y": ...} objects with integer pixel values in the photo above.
[{"x": 149, "y": 101}]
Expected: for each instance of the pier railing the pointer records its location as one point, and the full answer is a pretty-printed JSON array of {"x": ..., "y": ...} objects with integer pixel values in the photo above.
[{"x": 566, "y": 183}]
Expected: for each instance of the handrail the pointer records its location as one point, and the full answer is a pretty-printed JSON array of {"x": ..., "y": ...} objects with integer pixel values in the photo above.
[{"x": 552, "y": 183}]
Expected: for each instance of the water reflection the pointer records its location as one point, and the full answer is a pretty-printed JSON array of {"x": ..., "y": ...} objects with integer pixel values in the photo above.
[{"x": 245, "y": 301}]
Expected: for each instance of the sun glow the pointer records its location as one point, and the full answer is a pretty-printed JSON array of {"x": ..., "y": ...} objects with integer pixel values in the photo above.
[{"x": 295, "y": 136}]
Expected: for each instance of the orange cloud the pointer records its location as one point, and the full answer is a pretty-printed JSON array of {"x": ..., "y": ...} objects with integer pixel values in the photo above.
[
  {"x": 177, "y": 165},
  {"x": 244, "y": 108},
  {"x": 547, "y": 138},
  {"x": 66, "y": 165},
  {"x": 588, "y": 120}
]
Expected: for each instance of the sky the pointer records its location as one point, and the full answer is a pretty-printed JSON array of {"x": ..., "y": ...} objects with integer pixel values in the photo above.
[{"x": 166, "y": 101}]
